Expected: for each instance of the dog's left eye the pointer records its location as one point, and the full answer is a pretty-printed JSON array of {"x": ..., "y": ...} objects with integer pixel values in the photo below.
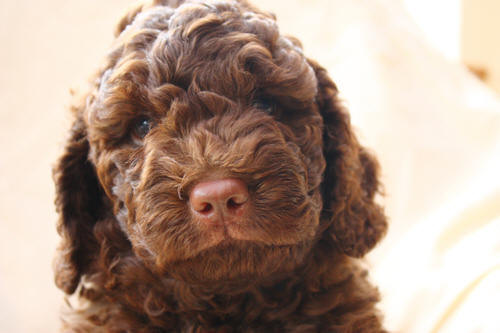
[
  {"x": 142, "y": 127},
  {"x": 264, "y": 105}
]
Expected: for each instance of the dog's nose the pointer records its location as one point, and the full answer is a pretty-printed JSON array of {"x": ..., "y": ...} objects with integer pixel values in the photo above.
[{"x": 219, "y": 201}]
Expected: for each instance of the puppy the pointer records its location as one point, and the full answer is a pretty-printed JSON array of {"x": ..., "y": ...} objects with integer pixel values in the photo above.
[{"x": 212, "y": 182}]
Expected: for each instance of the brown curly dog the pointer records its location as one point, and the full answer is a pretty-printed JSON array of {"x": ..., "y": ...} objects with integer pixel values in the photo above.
[{"x": 213, "y": 183}]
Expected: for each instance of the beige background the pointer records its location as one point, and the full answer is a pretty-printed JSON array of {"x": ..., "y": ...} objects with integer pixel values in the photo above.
[
  {"x": 480, "y": 45},
  {"x": 435, "y": 128}
]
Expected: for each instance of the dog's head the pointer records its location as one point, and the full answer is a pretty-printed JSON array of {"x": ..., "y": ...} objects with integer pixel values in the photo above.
[{"x": 215, "y": 150}]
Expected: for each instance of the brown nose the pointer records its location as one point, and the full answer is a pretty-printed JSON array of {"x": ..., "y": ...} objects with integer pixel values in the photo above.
[{"x": 219, "y": 201}]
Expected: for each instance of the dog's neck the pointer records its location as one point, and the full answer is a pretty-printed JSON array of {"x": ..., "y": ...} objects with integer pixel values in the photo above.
[{"x": 134, "y": 293}]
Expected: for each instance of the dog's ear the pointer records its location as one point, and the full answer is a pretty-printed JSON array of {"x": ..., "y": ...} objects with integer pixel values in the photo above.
[
  {"x": 350, "y": 216},
  {"x": 79, "y": 204}
]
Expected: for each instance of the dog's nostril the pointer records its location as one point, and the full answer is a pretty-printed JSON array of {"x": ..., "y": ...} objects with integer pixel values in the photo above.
[
  {"x": 206, "y": 209},
  {"x": 234, "y": 203}
]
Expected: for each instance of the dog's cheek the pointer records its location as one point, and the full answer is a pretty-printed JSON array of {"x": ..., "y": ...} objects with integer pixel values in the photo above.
[
  {"x": 308, "y": 144},
  {"x": 157, "y": 215},
  {"x": 118, "y": 172},
  {"x": 304, "y": 129}
]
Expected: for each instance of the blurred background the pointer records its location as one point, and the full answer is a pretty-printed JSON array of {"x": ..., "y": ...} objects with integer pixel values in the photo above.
[{"x": 421, "y": 79}]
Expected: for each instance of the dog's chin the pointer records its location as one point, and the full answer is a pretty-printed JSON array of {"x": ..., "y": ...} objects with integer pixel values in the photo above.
[{"x": 234, "y": 262}]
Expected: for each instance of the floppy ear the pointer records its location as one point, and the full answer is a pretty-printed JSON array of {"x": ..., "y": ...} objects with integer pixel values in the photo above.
[
  {"x": 79, "y": 204},
  {"x": 352, "y": 218}
]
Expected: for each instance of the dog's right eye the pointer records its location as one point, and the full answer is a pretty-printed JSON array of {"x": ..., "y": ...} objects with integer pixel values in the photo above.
[{"x": 142, "y": 127}]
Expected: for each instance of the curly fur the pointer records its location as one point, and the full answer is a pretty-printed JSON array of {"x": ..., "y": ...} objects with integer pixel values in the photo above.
[{"x": 225, "y": 95}]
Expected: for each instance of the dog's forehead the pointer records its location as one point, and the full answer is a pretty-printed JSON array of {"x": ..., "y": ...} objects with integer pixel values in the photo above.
[
  {"x": 157, "y": 31},
  {"x": 165, "y": 18}
]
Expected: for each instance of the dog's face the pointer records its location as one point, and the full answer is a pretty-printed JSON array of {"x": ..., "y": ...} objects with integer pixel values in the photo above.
[
  {"x": 206, "y": 135},
  {"x": 209, "y": 93}
]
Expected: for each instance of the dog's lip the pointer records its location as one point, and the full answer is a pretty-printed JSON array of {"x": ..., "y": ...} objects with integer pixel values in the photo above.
[
  {"x": 230, "y": 238},
  {"x": 226, "y": 229},
  {"x": 225, "y": 233},
  {"x": 236, "y": 233},
  {"x": 233, "y": 242}
]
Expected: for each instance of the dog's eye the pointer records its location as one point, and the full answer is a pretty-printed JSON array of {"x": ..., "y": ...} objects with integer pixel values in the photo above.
[
  {"x": 264, "y": 105},
  {"x": 142, "y": 127}
]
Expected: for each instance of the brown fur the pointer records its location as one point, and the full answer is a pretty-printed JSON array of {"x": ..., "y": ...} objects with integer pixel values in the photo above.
[{"x": 226, "y": 95}]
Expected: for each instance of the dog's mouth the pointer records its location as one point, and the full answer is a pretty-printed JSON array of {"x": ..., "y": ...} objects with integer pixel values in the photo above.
[
  {"x": 272, "y": 216},
  {"x": 236, "y": 261},
  {"x": 260, "y": 231}
]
